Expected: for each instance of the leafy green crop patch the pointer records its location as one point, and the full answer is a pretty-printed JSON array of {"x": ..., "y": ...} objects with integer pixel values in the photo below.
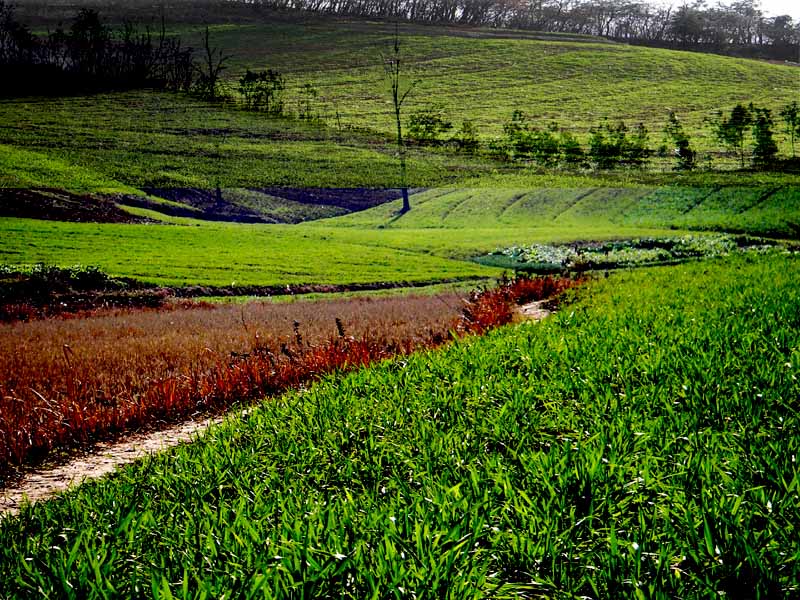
[{"x": 583, "y": 256}]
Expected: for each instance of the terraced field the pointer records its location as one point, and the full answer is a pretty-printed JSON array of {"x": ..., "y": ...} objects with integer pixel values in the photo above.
[
  {"x": 765, "y": 210},
  {"x": 125, "y": 141}
]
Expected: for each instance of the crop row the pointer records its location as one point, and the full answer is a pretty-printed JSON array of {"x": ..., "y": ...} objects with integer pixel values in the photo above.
[
  {"x": 68, "y": 383},
  {"x": 641, "y": 443}
]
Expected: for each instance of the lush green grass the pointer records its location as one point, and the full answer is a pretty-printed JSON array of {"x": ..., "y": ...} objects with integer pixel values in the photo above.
[
  {"x": 639, "y": 444},
  {"x": 375, "y": 245},
  {"x": 221, "y": 254},
  {"x": 479, "y": 77},
  {"x": 22, "y": 168},
  {"x": 765, "y": 210},
  {"x": 463, "y": 287},
  {"x": 164, "y": 140}
]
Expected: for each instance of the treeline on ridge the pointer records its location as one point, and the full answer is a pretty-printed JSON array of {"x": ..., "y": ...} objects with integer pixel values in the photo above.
[
  {"x": 739, "y": 28},
  {"x": 89, "y": 56}
]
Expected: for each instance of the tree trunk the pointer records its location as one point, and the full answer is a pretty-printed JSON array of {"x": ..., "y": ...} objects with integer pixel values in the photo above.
[{"x": 402, "y": 152}]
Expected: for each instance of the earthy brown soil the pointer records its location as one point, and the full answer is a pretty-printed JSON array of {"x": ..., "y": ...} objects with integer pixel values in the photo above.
[
  {"x": 58, "y": 205},
  {"x": 535, "y": 311}
]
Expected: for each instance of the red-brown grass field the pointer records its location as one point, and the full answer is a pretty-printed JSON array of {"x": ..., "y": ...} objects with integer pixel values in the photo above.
[{"x": 70, "y": 382}]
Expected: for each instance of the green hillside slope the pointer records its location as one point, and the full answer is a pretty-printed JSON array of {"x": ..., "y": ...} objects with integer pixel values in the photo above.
[
  {"x": 479, "y": 77},
  {"x": 764, "y": 210},
  {"x": 116, "y": 140}
]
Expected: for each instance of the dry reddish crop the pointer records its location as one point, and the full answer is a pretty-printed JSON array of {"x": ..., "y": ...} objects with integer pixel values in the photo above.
[
  {"x": 495, "y": 306},
  {"x": 67, "y": 383}
]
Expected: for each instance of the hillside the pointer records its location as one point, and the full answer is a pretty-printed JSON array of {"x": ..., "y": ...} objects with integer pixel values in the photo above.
[
  {"x": 119, "y": 141},
  {"x": 575, "y": 82},
  {"x": 762, "y": 210}
]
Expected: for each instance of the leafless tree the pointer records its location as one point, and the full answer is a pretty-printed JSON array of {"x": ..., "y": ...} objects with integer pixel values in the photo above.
[
  {"x": 214, "y": 60},
  {"x": 400, "y": 89}
]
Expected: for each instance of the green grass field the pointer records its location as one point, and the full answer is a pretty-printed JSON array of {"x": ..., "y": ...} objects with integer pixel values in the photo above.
[
  {"x": 761, "y": 210},
  {"x": 431, "y": 242},
  {"x": 639, "y": 444},
  {"x": 479, "y": 77},
  {"x": 224, "y": 255}
]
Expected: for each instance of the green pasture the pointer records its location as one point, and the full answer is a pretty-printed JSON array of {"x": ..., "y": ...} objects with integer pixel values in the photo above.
[
  {"x": 131, "y": 140},
  {"x": 640, "y": 444},
  {"x": 227, "y": 254},
  {"x": 444, "y": 229},
  {"x": 575, "y": 83}
]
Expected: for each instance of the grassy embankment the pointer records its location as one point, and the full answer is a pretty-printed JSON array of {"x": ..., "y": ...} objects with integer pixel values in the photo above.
[
  {"x": 640, "y": 443},
  {"x": 760, "y": 210}
]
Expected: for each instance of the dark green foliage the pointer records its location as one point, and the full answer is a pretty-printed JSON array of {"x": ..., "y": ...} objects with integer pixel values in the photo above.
[
  {"x": 528, "y": 142},
  {"x": 426, "y": 125},
  {"x": 605, "y": 145},
  {"x": 545, "y": 148},
  {"x": 682, "y": 150},
  {"x": 764, "y": 146},
  {"x": 731, "y": 131},
  {"x": 517, "y": 132},
  {"x": 466, "y": 138},
  {"x": 791, "y": 119},
  {"x": 571, "y": 150},
  {"x": 611, "y": 145},
  {"x": 263, "y": 90},
  {"x": 47, "y": 290}
]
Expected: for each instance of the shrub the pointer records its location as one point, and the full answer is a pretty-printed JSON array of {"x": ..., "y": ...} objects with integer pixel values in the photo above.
[
  {"x": 683, "y": 152},
  {"x": 526, "y": 141},
  {"x": 571, "y": 151},
  {"x": 610, "y": 145},
  {"x": 425, "y": 126},
  {"x": 263, "y": 91},
  {"x": 764, "y": 146},
  {"x": 467, "y": 137},
  {"x": 731, "y": 131}
]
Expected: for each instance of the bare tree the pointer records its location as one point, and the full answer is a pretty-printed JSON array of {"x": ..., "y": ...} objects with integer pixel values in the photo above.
[
  {"x": 400, "y": 89},
  {"x": 213, "y": 64}
]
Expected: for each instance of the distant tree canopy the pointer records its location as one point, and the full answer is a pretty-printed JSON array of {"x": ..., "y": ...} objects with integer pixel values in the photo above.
[
  {"x": 88, "y": 56},
  {"x": 739, "y": 25}
]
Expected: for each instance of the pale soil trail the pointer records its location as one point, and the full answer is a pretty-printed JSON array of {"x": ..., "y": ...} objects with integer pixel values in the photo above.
[
  {"x": 106, "y": 457},
  {"x": 534, "y": 311}
]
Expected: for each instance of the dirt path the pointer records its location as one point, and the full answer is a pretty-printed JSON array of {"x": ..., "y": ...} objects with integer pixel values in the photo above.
[
  {"x": 105, "y": 458},
  {"x": 45, "y": 483},
  {"x": 534, "y": 311}
]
